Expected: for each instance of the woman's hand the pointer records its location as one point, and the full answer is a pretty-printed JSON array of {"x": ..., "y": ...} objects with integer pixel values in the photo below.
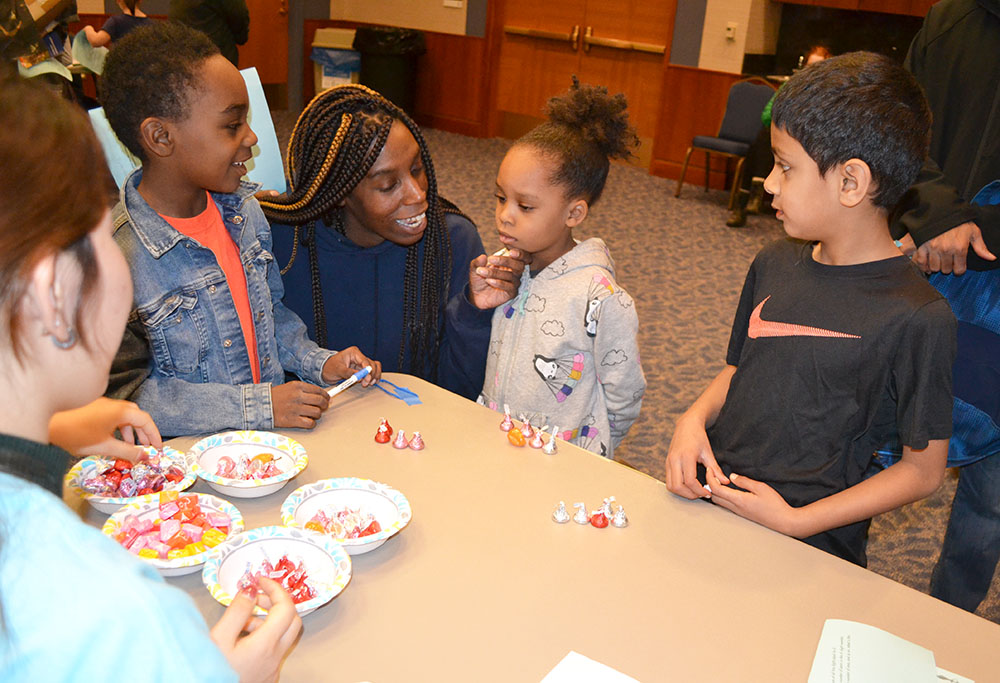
[
  {"x": 494, "y": 280},
  {"x": 257, "y": 656},
  {"x": 90, "y": 430}
]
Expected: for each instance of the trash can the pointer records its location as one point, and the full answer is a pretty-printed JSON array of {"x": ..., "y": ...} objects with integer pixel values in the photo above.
[
  {"x": 334, "y": 62},
  {"x": 389, "y": 62}
]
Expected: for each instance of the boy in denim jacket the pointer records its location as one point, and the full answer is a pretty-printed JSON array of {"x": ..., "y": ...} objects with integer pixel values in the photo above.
[{"x": 208, "y": 340}]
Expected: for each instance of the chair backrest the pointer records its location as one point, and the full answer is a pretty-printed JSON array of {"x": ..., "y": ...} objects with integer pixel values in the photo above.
[{"x": 744, "y": 106}]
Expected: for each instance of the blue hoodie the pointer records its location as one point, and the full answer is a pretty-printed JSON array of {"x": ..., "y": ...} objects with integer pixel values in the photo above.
[{"x": 363, "y": 300}]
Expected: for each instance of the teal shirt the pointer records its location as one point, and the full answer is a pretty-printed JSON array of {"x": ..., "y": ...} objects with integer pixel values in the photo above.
[{"x": 75, "y": 605}]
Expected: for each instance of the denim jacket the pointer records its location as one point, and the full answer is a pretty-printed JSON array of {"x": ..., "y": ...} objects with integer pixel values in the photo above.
[{"x": 184, "y": 359}]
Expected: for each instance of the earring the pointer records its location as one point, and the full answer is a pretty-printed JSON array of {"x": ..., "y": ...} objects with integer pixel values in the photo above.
[
  {"x": 67, "y": 343},
  {"x": 70, "y": 340}
]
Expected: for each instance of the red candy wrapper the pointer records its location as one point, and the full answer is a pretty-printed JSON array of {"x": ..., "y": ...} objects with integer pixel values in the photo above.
[{"x": 292, "y": 577}]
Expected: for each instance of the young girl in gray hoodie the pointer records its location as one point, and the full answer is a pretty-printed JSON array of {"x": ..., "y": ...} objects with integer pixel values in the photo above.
[{"x": 563, "y": 352}]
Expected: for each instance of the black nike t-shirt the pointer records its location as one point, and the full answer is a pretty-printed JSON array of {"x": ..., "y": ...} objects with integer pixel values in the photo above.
[{"x": 832, "y": 361}]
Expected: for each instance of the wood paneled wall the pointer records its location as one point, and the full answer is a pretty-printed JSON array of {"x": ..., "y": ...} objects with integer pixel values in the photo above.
[
  {"x": 694, "y": 101},
  {"x": 452, "y": 79}
]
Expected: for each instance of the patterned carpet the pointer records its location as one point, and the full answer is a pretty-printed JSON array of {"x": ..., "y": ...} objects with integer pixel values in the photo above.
[{"x": 684, "y": 268}]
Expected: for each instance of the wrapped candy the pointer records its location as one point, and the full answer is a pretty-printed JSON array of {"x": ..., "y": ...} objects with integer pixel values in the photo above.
[
  {"x": 620, "y": 520},
  {"x": 400, "y": 441},
  {"x": 536, "y": 441},
  {"x": 246, "y": 468},
  {"x": 344, "y": 523},
  {"x": 507, "y": 423},
  {"x": 225, "y": 467},
  {"x": 606, "y": 507},
  {"x": 182, "y": 528},
  {"x": 598, "y": 519},
  {"x": 560, "y": 516},
  {"x": 121, "y": 479},
  {"x": 581, "y": 514},
  {"x": 526, "y": 428},
  {"x": 384, "y": 433},
  {"x": 417, "y": 442},
  {"x": 516, "y": 437},
  {"x": 127, "y": 487},
  {"x": 550, "y": 446}
]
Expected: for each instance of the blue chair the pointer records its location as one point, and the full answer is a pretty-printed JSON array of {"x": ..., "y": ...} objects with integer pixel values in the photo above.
[{"x": 740, "y": 124}]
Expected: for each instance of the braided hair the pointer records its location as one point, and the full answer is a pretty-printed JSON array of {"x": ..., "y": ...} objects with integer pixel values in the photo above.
[
  {"x": 586, "y": 127},
  {"x": 334, "y": 144}
]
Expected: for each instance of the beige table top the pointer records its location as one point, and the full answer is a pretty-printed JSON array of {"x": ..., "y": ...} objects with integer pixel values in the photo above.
[{"x": 483, "y": 586}]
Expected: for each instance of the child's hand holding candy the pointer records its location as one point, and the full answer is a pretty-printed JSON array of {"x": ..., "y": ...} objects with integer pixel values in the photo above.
[{"x": 257, "y": 656}]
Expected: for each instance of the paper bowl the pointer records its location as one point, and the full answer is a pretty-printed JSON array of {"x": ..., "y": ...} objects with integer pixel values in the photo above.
[
  {"x": 328, "y": 567},
  {"x": 390, "y": 507},
  {"x": 149, "y": 506},
  {"x": 289, "y": 456},
  {"x": 110, "y": 504}
]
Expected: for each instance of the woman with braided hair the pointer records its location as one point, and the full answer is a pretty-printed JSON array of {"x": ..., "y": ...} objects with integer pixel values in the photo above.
[{"x": 372, "y": 255}]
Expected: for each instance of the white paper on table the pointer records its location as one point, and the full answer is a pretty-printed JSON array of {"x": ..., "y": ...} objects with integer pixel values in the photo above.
[
  {"x": 265, "y": 167},
  {"x": 575, "y": 668},
  {"x": 945, "y": 676},
  {"x": 852, "y": 652}
]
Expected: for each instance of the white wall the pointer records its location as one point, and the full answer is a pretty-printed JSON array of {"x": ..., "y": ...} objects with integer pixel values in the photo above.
[
  {"x": 756, "y": 32},
  {"x": 426, "y": 15},
  {"x": 718, "y": 53}
]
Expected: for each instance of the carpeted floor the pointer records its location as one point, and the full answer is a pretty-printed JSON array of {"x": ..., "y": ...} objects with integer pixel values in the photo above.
[{"x": 684, "y": 268}]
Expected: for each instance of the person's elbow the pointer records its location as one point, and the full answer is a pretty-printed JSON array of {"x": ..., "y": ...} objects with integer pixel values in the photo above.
[
  {"x": 930, "y": 463},
  {"x": 930, "y": 482}
]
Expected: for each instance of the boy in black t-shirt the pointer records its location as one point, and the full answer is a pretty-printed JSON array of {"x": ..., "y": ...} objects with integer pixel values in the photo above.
[{"x": 839, "y": 343}]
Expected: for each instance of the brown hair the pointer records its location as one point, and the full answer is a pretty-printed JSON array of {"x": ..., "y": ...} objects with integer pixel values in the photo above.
[
  {"x": 820, "y": 50},
  {"x": 53, "y": 192}
]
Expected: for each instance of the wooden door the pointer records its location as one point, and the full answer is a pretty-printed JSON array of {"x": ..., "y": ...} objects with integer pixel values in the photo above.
[
  {"x": 267, "y": 48},
  {"x": 623, "y": 50},
  {"x": 618, "y": 44},
  {"x": 538, "y": 55}
]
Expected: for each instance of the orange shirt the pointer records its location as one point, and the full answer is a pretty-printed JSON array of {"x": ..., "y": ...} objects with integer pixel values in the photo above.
[{"x": 207, "y": 229}]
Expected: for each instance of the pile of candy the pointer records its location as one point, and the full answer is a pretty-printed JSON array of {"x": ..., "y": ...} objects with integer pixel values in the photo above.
[
  {"x": 384, "y": 434},
  {"x": 182, "y": 529},
  {"x": 346, "y": 523},
  {"x": 598, "y": 518},
  {"x": 122, "y": 479},
  {"x": 526, "y": 434},
  {"x": 290, "y": 575},
  {"x": 260, "y": 466}
]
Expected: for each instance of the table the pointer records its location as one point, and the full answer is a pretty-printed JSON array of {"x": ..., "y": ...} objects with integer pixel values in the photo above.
[{"x": 483, "y": 586}]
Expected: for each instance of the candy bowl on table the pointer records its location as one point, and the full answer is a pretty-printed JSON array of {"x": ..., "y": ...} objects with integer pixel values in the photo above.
[
  {"x": 313, "y": 569},
  {"x": 360, "y": 514},
  {"x": 248, "y": 464},
  {"x": 103, "y": 481},
  {"x": 174, "y": 533}
]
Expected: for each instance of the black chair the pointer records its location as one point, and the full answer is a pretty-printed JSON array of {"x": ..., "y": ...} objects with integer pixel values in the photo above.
[{"x": 740, "y": 124}]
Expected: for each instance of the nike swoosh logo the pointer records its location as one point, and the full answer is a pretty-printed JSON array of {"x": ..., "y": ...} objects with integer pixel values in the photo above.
[{"x": 769, "y": 328}]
